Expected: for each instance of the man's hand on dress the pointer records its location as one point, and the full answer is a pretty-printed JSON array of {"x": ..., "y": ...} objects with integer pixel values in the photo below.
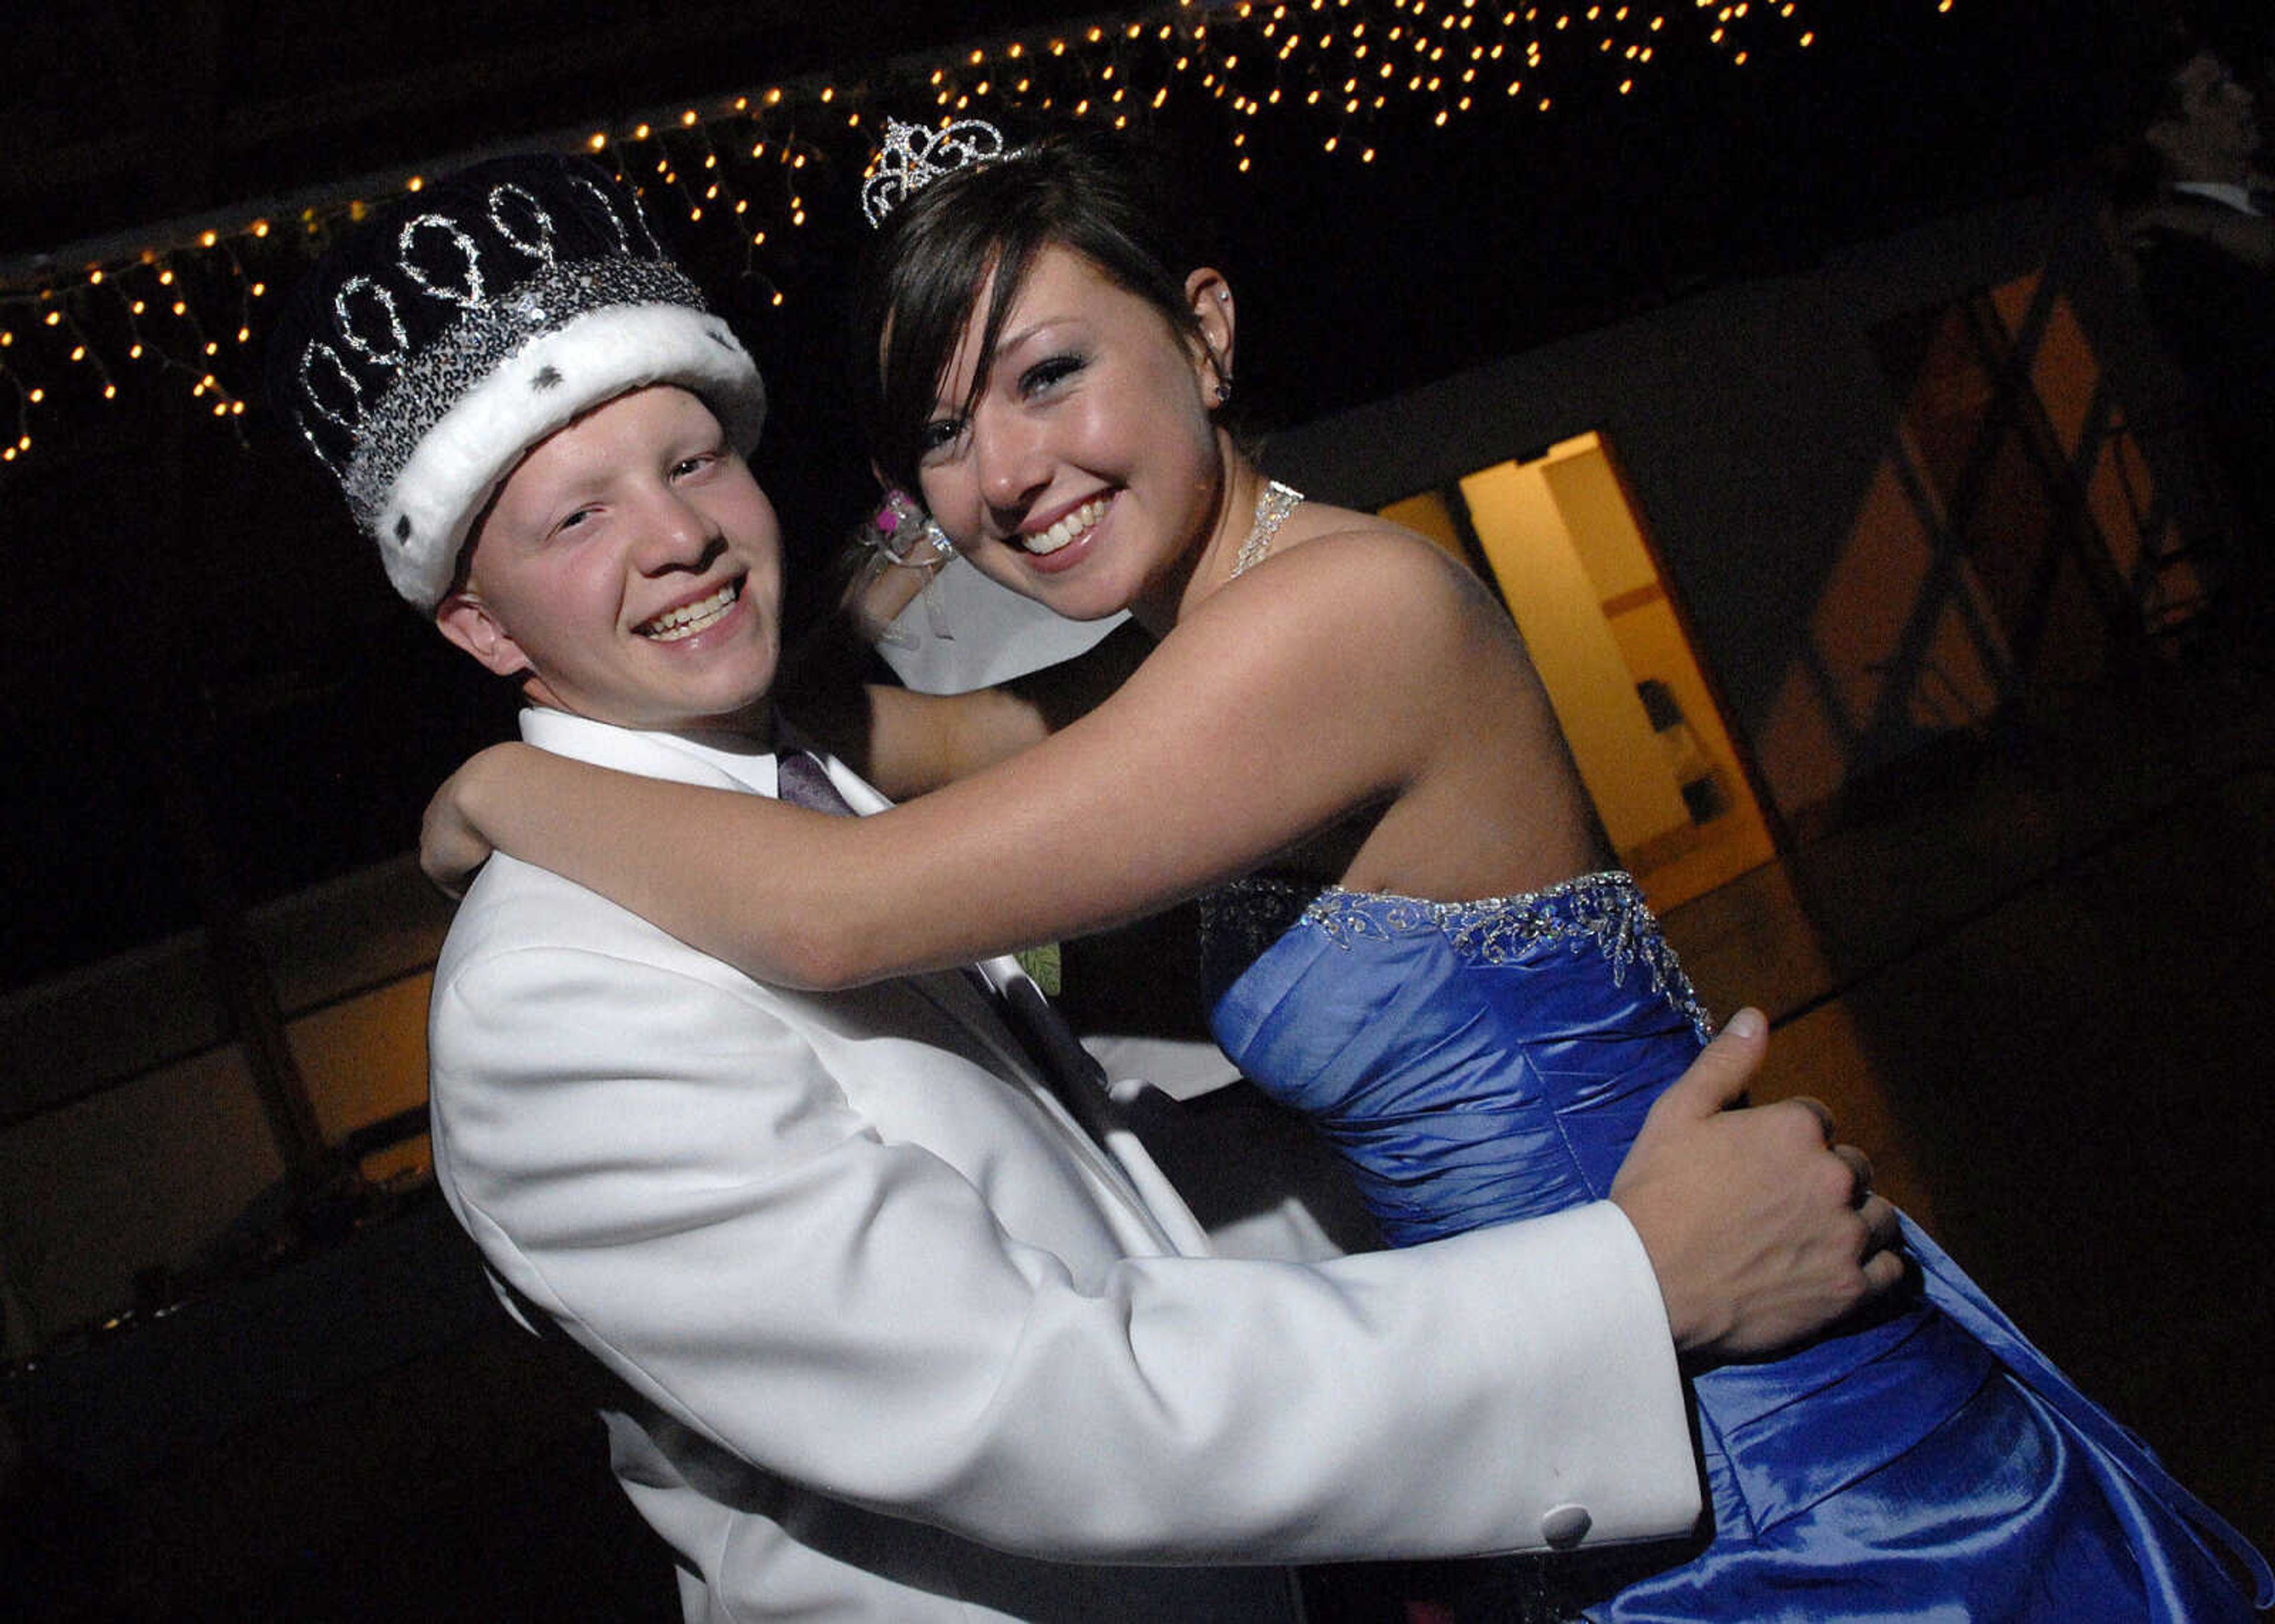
[{"x": 1760, "y": 1228}]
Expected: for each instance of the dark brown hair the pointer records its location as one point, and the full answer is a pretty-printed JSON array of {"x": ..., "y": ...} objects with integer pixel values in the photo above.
[{"x": 920, "y": 282}]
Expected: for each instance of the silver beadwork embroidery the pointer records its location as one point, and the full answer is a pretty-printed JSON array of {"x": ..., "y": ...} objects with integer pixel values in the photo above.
[
  {"x": 381, "y": 299},
  {"x": 623, "y": 225},
  {"x": 312, "y": 389},
  {"x": 471, "y": 293},
  {"x": 540, "y": 246},
  {"x": 1606, "y": 910}
]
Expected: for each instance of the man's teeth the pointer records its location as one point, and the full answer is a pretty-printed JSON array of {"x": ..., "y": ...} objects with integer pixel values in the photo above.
[
  {"x": 689, "y": 619},
  {"x": 1067, "y": 529}
]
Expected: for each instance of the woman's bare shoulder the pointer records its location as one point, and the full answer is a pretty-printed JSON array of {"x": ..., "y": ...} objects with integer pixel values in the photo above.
[{"x": 1373, "y": 568}]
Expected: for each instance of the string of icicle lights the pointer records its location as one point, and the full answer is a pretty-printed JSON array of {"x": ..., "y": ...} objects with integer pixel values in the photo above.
[{"x": 185, "y": 311}]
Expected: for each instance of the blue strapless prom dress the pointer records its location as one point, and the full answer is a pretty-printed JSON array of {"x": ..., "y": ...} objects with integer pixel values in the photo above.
[{"x": 1479, "y": 1063}]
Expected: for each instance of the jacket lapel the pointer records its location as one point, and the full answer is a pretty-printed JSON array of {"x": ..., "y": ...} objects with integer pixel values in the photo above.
[{"x": 1118, "y": 1164}]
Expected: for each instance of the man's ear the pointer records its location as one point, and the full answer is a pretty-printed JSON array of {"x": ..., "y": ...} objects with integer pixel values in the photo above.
[
  {"x": 1209, "y": 297},
  {"x": 468, "y": 622}
]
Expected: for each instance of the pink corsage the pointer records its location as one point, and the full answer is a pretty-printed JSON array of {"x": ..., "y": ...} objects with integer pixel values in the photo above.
[
  {"x": 903, "y": 532},
  {"x": 899, "y": 533}
]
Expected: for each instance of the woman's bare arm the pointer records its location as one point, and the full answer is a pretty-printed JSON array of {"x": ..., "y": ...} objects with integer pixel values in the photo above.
[
  {"x": 1313, "y": 687},
  {"x": 917, "y": 742}
]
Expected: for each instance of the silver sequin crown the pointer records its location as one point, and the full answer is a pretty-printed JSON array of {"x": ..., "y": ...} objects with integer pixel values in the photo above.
[
  {"x": 438, "y": 342},
  {"x": 451, "y": 292}
]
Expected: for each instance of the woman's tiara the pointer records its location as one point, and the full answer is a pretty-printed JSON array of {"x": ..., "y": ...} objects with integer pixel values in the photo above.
[{"x": 914, "y": 157}]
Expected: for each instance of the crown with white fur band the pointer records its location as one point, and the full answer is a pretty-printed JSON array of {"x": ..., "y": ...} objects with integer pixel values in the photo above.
[
  {"x": 436, "y": 346},
  {"x": 914, "y": 157}
]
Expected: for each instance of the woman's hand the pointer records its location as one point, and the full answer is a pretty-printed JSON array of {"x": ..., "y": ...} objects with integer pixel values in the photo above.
[
  {"x": 451, "y": 845},
  {"x": 878, "y": 592}
]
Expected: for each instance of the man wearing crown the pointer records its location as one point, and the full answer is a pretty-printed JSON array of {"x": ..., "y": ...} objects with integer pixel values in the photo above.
[{"x": 896, "y": 1318}]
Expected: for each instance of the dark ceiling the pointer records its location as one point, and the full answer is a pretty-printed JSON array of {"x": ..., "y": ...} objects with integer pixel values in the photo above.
[
  {"x": 120, "y": 114},
  {"x": 205, "y": 660}
]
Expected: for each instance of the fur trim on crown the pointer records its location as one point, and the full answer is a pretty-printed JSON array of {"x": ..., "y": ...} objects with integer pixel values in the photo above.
[{"x": 422, "y": 524}]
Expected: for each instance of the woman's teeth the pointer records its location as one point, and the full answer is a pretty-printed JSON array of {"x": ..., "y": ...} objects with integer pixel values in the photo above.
[
  {"x": 689, "y": 619},
  {"x": 1067, "y": 529}
]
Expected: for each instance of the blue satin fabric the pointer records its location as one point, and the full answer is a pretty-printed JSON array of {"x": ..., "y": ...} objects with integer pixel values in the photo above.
[{"x": 1484, "y": 1062}]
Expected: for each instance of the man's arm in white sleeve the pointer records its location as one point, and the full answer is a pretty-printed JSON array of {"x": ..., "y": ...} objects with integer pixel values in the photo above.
[{"x": 715, "y": 1222}]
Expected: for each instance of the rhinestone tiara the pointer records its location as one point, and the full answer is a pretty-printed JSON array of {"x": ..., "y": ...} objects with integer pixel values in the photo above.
[{"x": 914, "y": 157}]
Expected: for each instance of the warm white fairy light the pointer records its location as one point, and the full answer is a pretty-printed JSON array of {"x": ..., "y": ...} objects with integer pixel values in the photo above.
[{"x": 1252, "y": 58}]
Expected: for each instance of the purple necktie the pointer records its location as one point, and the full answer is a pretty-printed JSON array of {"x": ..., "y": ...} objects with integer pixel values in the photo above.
[{"x": 802, "y": 781}]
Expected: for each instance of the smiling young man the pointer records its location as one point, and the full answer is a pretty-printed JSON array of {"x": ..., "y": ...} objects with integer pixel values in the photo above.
[
  {"x": 894, "y": 1325},
  {"x": 631, "y": 569}
]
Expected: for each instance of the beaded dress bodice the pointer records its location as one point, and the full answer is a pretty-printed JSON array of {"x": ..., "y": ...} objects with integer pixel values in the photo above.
[{"x": 1475, "y": 1061}]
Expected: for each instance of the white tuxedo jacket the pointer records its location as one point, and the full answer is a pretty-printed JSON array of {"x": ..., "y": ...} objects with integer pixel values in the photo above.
[{"x": 893, "y": 1340}]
